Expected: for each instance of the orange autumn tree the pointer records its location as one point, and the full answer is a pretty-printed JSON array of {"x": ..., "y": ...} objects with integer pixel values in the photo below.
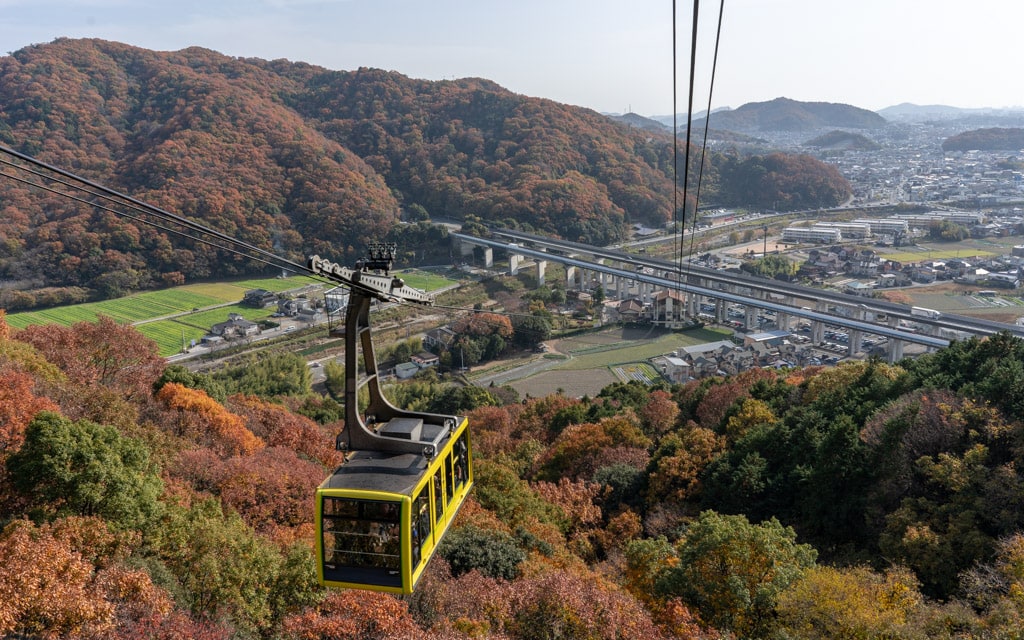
[
  {"x": 279, "y": 427},
  {"x": 353, "y": 615},
  {"x": 56, "y": 581},
  {"x": 18, "y": 405},
  {"x": 197, "y": 416}
]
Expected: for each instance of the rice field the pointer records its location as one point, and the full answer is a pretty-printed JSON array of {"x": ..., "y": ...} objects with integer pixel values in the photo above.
[
  {"x": 169, "y": 335},
  {"x": 168, "y": 317},
  {"x": 151, "y": 305}
]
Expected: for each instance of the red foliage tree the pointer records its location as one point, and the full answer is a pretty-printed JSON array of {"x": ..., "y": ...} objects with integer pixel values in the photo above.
[
  {"x": 354, "y": 615},
  {"x": 279, "y": 427},
  {"x": 270, "y": 488},
  {"x": 658, "y": 416},
  {"x": 103, "y": 353},
  {"x": 18, "y": 405}
]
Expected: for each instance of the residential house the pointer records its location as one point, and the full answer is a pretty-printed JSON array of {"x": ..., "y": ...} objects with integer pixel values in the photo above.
[
  {"x": 669, "y": 309},
  {"x": 235, "y": 327},
  {"x": 629, "y": 310},
  {"x": 259, "y": 298},
  {"x": 441, "y": 338}
]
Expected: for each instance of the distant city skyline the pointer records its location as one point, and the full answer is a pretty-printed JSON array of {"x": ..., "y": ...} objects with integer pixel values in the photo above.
[{"x": 608, "y": 56}]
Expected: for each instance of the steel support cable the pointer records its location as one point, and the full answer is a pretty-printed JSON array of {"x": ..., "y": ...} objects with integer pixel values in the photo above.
[
  {"x": 677, "y": 220},
  {"x": 689, "y": 119},
  {"x": 707, "y": 123},
  {"x": 258, "y": 255},
  {"x": 134, "y": 204},
  {"x": 122, "y": 214},
  {"x": 148, "y": 208}
]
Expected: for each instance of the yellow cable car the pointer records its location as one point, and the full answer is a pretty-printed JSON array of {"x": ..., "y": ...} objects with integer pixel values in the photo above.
[{"x": 381, "y": 515}]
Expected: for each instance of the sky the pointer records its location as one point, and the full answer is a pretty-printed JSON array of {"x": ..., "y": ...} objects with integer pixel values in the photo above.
[{"x": 610, "y": 56}]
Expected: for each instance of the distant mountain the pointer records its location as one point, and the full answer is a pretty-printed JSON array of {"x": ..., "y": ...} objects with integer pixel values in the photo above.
[
  {"x": 995, "y": 139},
  {"x": 638, "y": 121},
  {"x": 843, "y": 140},
  {"x": 783, "y": 114},
  {"x": 908, "y": 112}
]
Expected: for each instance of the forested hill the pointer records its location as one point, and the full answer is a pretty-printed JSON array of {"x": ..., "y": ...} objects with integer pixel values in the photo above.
[
  {"x": 299, "y": 159},
  {"x": 784, "y": 114},
  {"x": 991, "y": 139}
]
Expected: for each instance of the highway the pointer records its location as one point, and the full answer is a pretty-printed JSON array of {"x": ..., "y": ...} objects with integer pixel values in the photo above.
[{"x": 761, "y": 293}]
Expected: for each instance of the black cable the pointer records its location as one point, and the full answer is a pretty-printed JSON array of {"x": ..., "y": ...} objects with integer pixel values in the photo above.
[
  {"x": 153, "y": 210},
  {"x": 707, "y": 123},
  {"x": 689, "y": 117},
  {"x": 677, "y": 220},
  {"x": 110, "y": 196}
]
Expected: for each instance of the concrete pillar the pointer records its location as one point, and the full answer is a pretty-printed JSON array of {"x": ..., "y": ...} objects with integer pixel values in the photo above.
[
  {"x": 464, "y": 247},
  {"x": 570, "y": 277},
  {"x": 782, "y": 320},
  {"x": 751, "y": 317},
  {"x": 691, "y": 305},
  {"x": 488, "y": 257},
  {"x": 895, "y": 351},
  {"x": 856, "y": 336},
  {"x": 542, "y": 266},
  {"x": 817, "y": 332},
  {"x": 720, "y": 311},
  {"x": 513, "y": 263}
]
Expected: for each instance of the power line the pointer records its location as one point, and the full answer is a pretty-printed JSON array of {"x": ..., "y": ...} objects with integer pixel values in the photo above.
[{"x": 120, "y": 201}]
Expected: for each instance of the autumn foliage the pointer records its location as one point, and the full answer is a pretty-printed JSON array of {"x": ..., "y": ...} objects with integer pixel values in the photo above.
[
  {"x": 865, "y": 500},
  {"x": 200, "y": 418}
]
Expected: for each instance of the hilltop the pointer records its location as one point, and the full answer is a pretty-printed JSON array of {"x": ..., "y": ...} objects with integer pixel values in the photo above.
[
  {"x": 991, "y": 139},
  {"x": 784, "y": 114},
  {"x": 298, "y": 159}
]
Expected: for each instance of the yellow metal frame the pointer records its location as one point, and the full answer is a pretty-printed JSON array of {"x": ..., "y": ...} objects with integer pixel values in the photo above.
[{"x": 410, "y": 575}]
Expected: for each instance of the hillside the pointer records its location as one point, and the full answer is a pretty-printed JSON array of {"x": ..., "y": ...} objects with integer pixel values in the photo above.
[
  {"x": 843, "y": 140},
  {"x": 294, "y": 159},
  {"x": 783, "y": 114},
  {"x": 992, "y": 139},
  {"x": 866, "y": 500}
]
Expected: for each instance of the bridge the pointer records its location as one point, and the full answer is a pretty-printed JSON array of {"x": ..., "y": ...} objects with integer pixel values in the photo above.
[{"x": 701, "y": 287}]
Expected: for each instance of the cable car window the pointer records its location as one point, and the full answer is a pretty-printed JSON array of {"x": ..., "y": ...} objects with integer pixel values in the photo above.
[
  {"x": 361, "y": 534},
  {"x": 438, "y": 496},
  {"x": 420, "y": 524},
  {"x": 461, "y": 461},
  {"x": 449, "y": 478}
]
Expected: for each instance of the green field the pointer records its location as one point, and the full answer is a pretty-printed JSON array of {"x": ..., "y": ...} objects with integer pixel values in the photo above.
[
  {"x": 592, "y": 356},
  {"x": 167, "y": 316},
  {"x": 424, "y": 280},
  {"x": 169, "y": 335},
  {"x": 940, "y": 254}
]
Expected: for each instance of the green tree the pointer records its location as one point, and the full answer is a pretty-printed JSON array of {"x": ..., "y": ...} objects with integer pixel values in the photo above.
[
  {"x": 529, "y": 330},
  {"x": 493, "y": 553},
  {"x": 734, "y": 572},
  {"x": 85, "y": 468},
  {"x": 184, "y": 377},
  {"x": 459, "y": 399},
  {"x": 334, "y": 378},
  {"x": 279, "y": 374},
  {"x": 224, "y": 569}
]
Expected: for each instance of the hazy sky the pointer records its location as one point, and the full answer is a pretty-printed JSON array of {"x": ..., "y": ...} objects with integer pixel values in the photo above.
[{"x": 609, "y": 56}]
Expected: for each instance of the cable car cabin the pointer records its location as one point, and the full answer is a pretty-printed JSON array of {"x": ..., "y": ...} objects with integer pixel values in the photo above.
[{"x": 380, "y": 516}]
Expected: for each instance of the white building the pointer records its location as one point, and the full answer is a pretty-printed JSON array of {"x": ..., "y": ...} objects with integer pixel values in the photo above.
[
  {"x": 886, "y": 226},
  {"x": 812, "y": 234}
]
